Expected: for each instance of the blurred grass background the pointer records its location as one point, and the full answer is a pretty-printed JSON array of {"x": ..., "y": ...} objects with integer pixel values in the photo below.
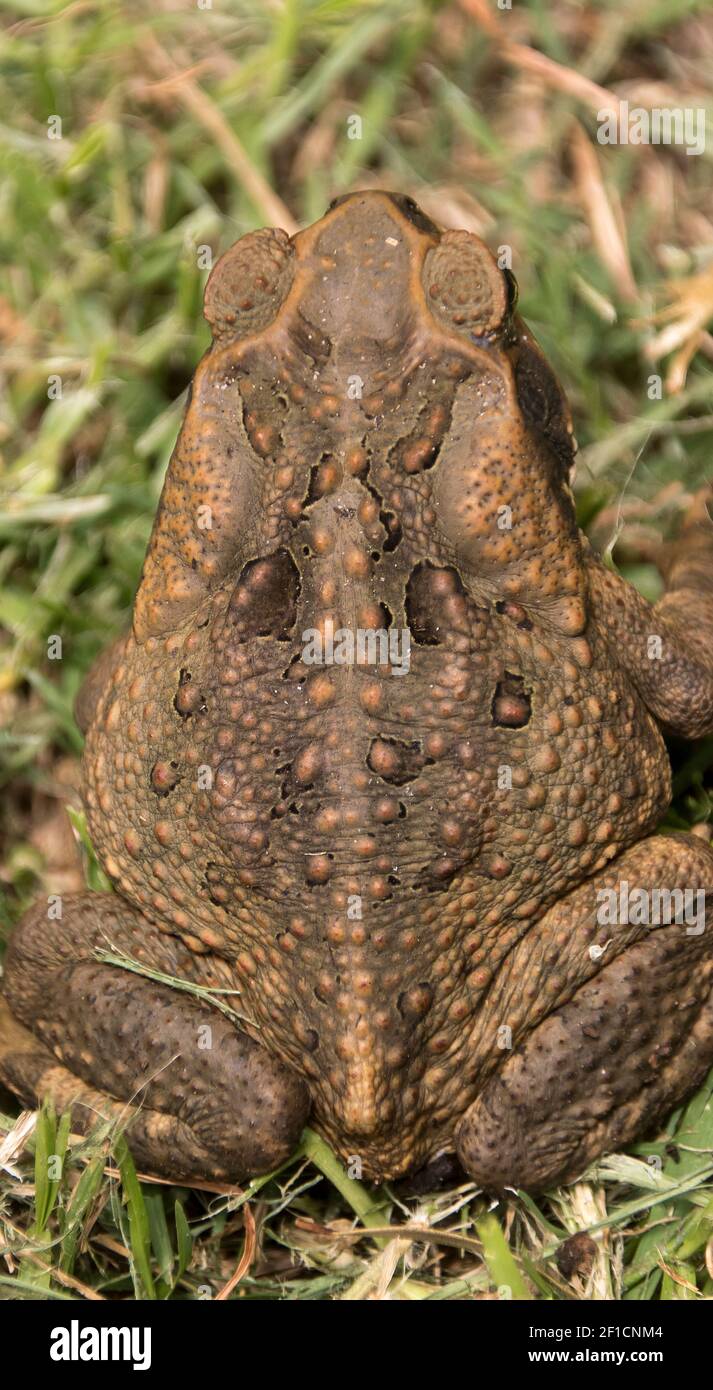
[{"x": 184, "y": 127}]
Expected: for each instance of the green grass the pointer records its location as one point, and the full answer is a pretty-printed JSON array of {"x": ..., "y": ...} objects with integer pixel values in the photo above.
[{"x": 100, "y": 233}]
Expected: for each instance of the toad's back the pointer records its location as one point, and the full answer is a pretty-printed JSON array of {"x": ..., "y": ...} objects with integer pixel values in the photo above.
[{"x": 361, "y": 733}]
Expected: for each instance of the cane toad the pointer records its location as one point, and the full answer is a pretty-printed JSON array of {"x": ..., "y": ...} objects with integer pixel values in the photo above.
[{"x": 380, "y": 753}]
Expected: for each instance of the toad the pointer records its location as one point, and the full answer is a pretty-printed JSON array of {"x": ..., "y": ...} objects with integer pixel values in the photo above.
[{"x": 419, "y": 866}]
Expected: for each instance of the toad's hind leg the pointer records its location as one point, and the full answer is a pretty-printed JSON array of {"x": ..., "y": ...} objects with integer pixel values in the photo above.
[
  {"x": 198, "y": 1098},
  {"x": 628, "y": 1044}
]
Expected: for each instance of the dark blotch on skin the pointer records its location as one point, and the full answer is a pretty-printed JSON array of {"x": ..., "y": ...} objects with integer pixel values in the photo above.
[
  {"x": 264, "y": 602},
  {"x": 439, "y": 874},
  {"x": 164, "y": 777},
  {"x": 428, "y": 585},
  {"x": 415, "y": 1002},
  {"x": 188, "y": 699},
  {"x": 512, "y": 706},
  {"x": 394, "y": 761}
]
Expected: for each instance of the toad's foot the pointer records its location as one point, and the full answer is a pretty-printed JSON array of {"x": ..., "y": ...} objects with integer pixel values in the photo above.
[
  {"x": 628, "y": 1045},
  {"x": 198, "y": 1098}
]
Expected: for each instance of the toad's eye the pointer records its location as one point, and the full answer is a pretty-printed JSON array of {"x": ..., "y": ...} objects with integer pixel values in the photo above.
[
  {"x": 464, "y": 287},
  {"x": 513, "y": 291}
]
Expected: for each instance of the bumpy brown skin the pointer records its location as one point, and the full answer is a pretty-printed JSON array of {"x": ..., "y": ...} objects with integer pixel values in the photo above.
[{"x": 398, "y": 872}]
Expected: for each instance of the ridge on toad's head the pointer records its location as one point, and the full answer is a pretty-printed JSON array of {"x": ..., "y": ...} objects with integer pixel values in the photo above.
[{"x": 371, "y": 270}]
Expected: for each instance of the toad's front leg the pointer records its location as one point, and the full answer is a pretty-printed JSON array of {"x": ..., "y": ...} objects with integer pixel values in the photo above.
[
  {"x": 198, "y": 1098},
  {"x": 632, "y": 1036},
  {"x": 667, "y": 647}
]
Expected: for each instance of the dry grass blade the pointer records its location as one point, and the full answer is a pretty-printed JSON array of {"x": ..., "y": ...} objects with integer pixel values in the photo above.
[
  {"x": 219, "y": 1189},
  {"x": 246, "y": 1258},
  {"x": 608, "y": 240},
  {"x": 183, "y": 88},
  {"x": 555, "y": 75},
  {"x": 373, "y": 1283},
  {"x": 689, "y": 311},
  {"x": 15, "y": 1141},
  {"x": 68, "y": 1281},
  {"x": 677, "y": 1278},
  {"x": 428, "y": 1235}
]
